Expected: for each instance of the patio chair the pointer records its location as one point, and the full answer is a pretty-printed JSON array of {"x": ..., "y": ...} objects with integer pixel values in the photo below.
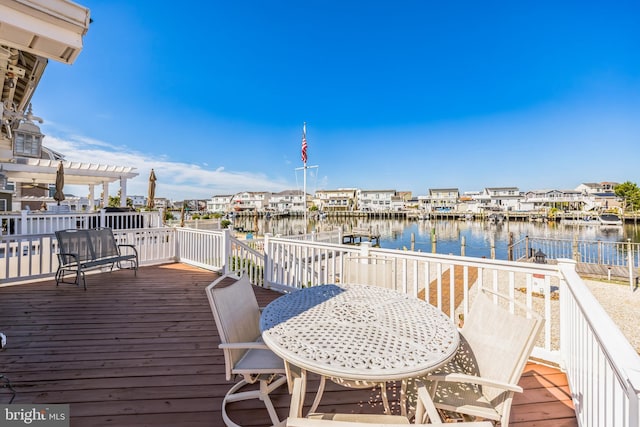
[
  {"x": 425, "y": 412},
  {"x": 495, "y": 344},
  {"x": 237, "y": 316}
]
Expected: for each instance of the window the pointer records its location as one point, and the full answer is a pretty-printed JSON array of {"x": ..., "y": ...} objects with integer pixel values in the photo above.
[{"x": 26, "y": 144}]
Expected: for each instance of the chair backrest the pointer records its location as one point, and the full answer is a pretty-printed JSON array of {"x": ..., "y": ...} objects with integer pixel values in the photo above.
[
  {"x": 75, "y": 242},
  {"x": 104, "y": 243},
  {"x": 371, "y": 270},
  {"x": 236, "y": 313},
  {"x": 499, "y": 342}
]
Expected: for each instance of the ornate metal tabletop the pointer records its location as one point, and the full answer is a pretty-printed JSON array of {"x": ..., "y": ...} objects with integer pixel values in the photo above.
[{"x": 359, "y": 332}]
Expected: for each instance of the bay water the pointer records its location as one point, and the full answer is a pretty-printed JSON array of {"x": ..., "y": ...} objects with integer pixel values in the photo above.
[{"x": 479, "y": 236}]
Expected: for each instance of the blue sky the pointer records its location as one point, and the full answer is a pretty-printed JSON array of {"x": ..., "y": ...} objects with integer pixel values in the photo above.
[{"x": 406, "y": 95}]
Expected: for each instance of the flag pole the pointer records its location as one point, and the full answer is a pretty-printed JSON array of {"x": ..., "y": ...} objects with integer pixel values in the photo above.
[
  {"x": 304, "y": 179},
  {"x": 304, "y": 168}
]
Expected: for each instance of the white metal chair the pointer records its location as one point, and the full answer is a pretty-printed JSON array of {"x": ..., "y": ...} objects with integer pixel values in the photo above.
[
  {"x": 237, "y": 316},
  {"x": 481, "y": 379},
  {"x": 425, "y": 412}
]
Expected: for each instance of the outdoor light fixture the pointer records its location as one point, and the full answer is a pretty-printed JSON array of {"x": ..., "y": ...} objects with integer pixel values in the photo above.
[{"x": 540, "y": 257}]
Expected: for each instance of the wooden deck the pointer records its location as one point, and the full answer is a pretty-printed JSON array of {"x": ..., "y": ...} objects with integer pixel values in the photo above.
[{"x": 142, "y": 351}]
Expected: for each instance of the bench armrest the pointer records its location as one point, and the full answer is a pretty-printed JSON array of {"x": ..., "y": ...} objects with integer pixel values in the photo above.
[
  {"x": 135, "y": 251},
  {"x": 63, "y": 255}
]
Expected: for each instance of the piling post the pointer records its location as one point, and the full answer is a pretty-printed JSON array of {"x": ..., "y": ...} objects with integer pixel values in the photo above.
[
  {"x": 463, "y": 245},
  {"x": 510, "y": 247},
  {"x": 493, "y": 247},
  {"x": 433, "y": 240},
  {"x": 413, "y": 241}
]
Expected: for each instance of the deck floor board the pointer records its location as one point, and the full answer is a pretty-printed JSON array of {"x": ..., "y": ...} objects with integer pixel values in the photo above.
[{"x": 142, "y": 350}]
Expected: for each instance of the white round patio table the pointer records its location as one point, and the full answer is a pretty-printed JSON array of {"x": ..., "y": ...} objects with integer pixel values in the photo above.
[{"x": 359, "y": 332}]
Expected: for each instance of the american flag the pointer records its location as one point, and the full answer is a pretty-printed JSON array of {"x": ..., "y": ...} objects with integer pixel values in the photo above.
[{"x": 304, "y": 143}]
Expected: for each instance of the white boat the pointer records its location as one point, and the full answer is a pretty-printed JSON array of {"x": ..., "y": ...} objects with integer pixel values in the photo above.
[
  {"x": 587, "y": 220},
  {"x": 610, "y": 220}
]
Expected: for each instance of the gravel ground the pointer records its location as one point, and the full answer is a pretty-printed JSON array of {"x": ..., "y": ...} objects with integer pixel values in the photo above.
[{"x": 622, "y": 304}]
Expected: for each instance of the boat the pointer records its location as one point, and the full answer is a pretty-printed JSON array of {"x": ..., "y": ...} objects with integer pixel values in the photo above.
[
  {"x": 496, "y": 218},
  {"x": 610, "y": 220},
  {"x": 587, "y": 220}
]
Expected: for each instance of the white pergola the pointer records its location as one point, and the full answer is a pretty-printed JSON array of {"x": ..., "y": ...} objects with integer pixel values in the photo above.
[{"x": 43, "y": 171}]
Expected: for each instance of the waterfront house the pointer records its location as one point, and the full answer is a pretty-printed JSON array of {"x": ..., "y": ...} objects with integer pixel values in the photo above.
[
  {"x": 442, "y": 199},
  {"x": 252, "y": 201},
  {"x": 543, "y": 200},
  {"x": 340, "y": 200},
  {"x": 374, "y": 200},
  {"x": 138, "y": 202},
  {"x": 292, "y": 201},
  {"x": 220, "y": 203},
  {"x": 597, "y": 187},
  {"x": 503, "y": 198}
]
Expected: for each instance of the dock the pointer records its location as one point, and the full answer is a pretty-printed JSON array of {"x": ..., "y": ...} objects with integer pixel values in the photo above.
[{"x": 357, "y": 235}]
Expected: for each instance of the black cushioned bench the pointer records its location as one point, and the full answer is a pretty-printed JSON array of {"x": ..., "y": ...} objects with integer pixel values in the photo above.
[{"x": 80, "y": 250}]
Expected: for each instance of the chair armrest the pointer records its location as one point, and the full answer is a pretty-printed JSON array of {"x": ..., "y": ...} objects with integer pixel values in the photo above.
[
  {"x": 472, "y": 379},
  {"x": 426, "y": 410},
  {"x": 248, "y": 345},
  {"x": 129, "y": 246},
  {"x": 70, "y": 254}
]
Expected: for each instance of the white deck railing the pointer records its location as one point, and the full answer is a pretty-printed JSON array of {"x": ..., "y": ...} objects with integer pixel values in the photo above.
[
  {"x": 33, "y": 256},
  {"x": 30, "y": 222},
  {"x": 602, "y": 367}
]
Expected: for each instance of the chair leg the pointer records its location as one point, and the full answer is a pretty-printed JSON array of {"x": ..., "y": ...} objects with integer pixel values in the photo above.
[
  {"x": 316, "y": 401},
  {"x": 262, "y": 394},
  {"x": 385, "y": 398}
]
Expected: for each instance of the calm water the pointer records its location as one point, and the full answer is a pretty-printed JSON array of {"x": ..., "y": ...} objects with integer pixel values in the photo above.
[{"x": 396, "y": 234}]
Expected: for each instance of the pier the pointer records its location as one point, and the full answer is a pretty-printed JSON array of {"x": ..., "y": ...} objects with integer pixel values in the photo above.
[{"x": 357, "y": 235}]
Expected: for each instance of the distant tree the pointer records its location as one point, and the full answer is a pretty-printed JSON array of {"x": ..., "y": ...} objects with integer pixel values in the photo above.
[
  {"x": 114, "y": 201},
  {"x": 630, "y": 192}
]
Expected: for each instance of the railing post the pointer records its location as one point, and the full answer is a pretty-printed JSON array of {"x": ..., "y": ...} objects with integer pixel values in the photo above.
[
  {"x": 226, "y": 250},
  {"x": 630, "y": 263},
  {"x": 267, "y": 270},
  {"x": 103, "y": 218},
  {"x": 568, "y": 265},
  {"x": 364, "y": 249},
  {"x": 23, "y": 222}
]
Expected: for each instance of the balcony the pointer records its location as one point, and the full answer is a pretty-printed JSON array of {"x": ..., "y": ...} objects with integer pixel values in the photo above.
[{"x": 143, "y": 350}]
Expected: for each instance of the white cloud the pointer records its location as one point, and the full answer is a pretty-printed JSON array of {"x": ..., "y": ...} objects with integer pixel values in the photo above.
[{"x": 175, "y": 180}]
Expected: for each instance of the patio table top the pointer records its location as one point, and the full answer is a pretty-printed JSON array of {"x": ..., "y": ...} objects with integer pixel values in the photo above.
[{"x": 359, "y": 332}]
